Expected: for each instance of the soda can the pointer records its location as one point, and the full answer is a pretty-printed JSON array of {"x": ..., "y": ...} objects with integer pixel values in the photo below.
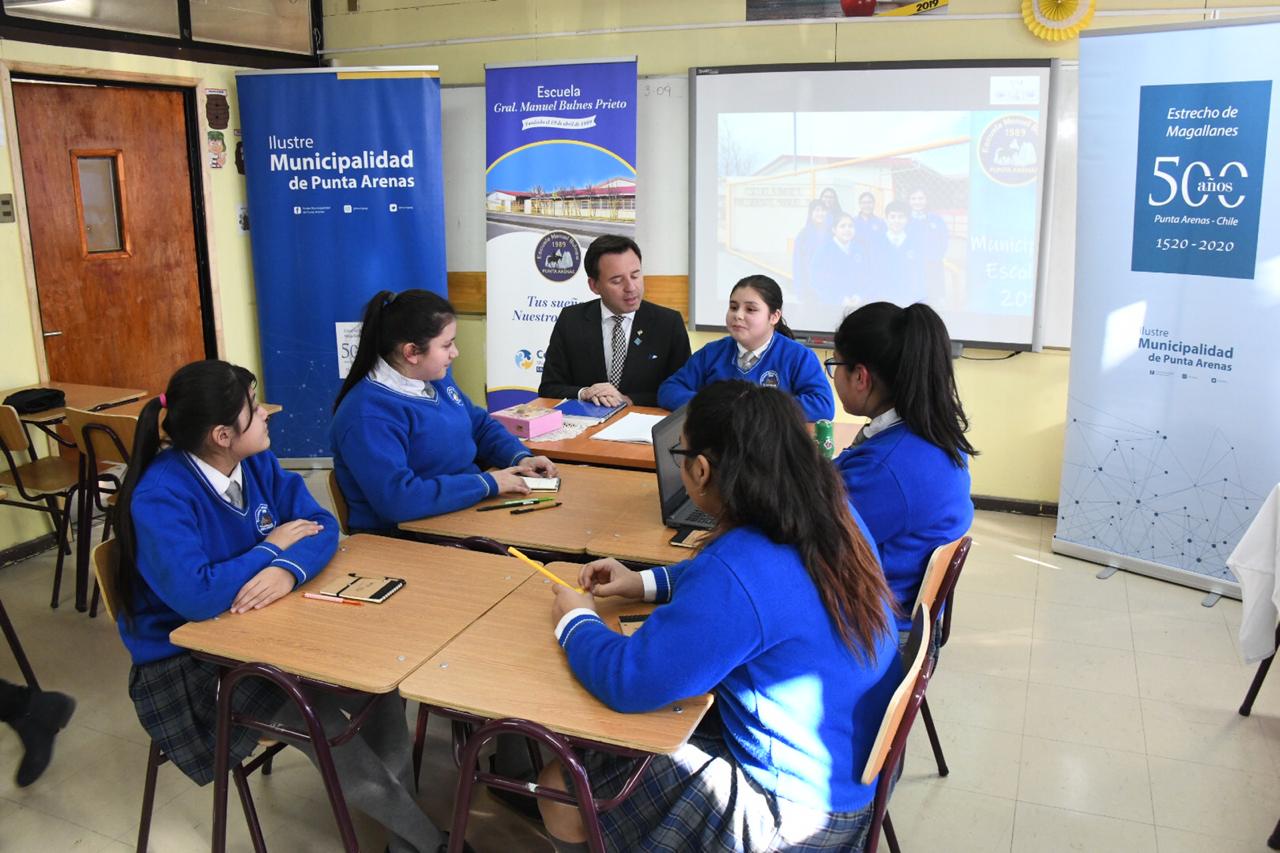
[{"x": 824, "y": 434}]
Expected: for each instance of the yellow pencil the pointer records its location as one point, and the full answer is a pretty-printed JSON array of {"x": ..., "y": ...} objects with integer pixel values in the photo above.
[{"x": 513, "y": 552}]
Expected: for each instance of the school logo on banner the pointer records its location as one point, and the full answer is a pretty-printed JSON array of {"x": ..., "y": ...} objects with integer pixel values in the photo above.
[
  {"x": 1201, "y": 151},
  {"x": 557, "y": 256},
  {"x": 263, "y": 518}
]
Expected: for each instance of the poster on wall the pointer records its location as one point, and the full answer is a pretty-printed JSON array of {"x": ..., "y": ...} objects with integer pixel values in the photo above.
[
  {"x": 343, "y": 171},
  {"x": 560, "y": 154},
  {"x": 773, "y": 10},
  {"x": 1174, "y": 390}
]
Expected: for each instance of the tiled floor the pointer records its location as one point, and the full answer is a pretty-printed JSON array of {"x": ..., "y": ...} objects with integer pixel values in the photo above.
[{"x": 1076, "y": 714}]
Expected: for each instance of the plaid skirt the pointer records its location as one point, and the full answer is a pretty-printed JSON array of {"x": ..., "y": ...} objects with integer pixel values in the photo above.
[
  {"x": 177, "y": 703},
  {"x": 700, "y": 799}
]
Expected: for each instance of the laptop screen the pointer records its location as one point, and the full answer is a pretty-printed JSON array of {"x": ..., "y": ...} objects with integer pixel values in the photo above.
[{"x": 666, "y": 434}]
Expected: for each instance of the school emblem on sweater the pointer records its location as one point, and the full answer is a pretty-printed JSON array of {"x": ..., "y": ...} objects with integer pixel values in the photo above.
[
  {"x": 454, "y": 395},
  {"x": 770, "y": 379},
  {"x": 262, "y": 517}
]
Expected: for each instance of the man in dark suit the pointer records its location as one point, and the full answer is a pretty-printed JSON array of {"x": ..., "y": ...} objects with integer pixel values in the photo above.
[{"x": 618, "y": 348}]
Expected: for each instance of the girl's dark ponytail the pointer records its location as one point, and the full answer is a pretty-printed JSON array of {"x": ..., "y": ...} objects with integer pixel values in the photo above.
[
  {"x": 367, "y": 350},
  {"x": 908, "y": 351},
  {"x": 391, "y": 320},
  {"x": 771, "y": 293}
]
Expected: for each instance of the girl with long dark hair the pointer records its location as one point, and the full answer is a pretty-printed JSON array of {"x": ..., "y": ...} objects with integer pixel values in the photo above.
[
  {"x": 212, "y": 524},
  {"x": 759, "y": 348},
  {"x": 783, "y": 613},
  {"x": 407, "y": 443},
  {"x": 907, "y": 471}
]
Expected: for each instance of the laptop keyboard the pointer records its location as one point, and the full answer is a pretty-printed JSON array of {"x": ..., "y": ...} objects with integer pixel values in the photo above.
[{"x": 697, "y": 516}]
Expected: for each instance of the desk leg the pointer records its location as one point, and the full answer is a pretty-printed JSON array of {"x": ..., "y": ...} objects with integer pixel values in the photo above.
[
  {"x": 87, "y": 498},
  {"x": 315, "y": 732}
]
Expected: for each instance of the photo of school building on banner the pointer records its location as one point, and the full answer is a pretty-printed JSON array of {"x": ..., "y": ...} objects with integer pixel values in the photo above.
[{"x": 560, "y": 154}]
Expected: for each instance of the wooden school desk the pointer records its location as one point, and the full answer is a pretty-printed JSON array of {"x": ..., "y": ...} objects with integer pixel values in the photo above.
[
  {"x": 91, "y": 397},
  {"x": 587, "y": 450},
  {"x": 369, "y": 649},
  {"x": 507, "y": 665},
  {"x": 593, "y": 500}
]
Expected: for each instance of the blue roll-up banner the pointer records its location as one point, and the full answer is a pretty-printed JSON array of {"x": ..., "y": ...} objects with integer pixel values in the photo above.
[
  {"x": 560, "y": 153},
  {"x": 346, "y": 198},
  {"x": 1175, "y": 352}
]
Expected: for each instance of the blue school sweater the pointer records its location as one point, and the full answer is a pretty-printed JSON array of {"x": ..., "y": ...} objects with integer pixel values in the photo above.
[
  {"x": 196, "y": 550},
  {"x": 800, "y": 711},
  {"x": 399, "y": 457},
  {"x": 785, "y": 364},
  {"x": 913, "y": 498}
]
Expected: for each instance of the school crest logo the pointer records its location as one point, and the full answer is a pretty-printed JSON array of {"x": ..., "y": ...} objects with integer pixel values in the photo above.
[
  {"x": 770, "y": 379},
  {"x": 263, "y": 518},
  {"x": 454, "y": 395}
]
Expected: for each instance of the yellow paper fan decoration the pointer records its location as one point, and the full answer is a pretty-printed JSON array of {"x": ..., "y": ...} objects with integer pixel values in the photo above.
[{"x": 1057, "y": 20}]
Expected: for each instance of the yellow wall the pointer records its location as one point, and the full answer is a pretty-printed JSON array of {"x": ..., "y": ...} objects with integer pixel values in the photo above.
[
  {"x": 1017, "y": 407},
  {"x": 233, "y": 281}
]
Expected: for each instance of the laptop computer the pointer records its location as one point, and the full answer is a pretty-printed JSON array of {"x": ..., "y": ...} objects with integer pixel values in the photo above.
[{"x": 678, "y": 511}]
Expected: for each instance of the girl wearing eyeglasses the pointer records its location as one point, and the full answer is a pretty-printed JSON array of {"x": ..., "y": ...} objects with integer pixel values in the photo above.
[
  {"x": 907, "y": 472},
  {"x": 783, "y": 614}
]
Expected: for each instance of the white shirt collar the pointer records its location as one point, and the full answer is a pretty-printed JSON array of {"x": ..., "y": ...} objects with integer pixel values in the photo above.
[
  {"x": 758, "y": 352},
  {"x": 216, "y": 478},
  {"x": 881, "y": 422},
  {"x": 606, "y": 316},
  {"x": 387, "y": 376}
]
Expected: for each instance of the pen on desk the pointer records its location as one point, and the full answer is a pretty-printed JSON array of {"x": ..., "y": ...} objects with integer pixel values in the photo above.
[
  {"x": 535, "y": 508},
  {"x": 509, "y": 504},
  {"x": 315, "y": 596},
  {"x": 519, "y": 556}
]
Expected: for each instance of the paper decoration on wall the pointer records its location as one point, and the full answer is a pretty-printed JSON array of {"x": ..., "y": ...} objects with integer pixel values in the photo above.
[
  {"x": 217, "y": 149},
  {"x": 217, "y": 111},
  {"x": 1057, "y": 20}
]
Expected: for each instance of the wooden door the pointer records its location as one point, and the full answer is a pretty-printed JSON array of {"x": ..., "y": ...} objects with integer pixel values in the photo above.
[{"x": 108, "y": 193}]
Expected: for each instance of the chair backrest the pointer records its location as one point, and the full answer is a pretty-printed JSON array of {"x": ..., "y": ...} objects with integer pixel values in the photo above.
[
  {"x": 12, "y": 435},
  {"x": 906, "y": 699},
  {"x": 940, "y": 577},
  {"x": 102, "y": 437},
  {"x": 339, "y": 503},
  {"x": 106, "y": 568}
]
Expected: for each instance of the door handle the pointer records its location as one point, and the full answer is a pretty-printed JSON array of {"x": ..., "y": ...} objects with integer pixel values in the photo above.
[{"x": 52, "y": 334}]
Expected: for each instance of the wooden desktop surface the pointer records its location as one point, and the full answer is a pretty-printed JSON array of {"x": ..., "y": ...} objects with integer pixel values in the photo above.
[
  {"x": 88, "y": 397},
  {"x": 374, "y": 646},
  {"x": 587, "y": 450},
  {"x": 509, "y": 664},
  {"x": 594, "y": 500}
]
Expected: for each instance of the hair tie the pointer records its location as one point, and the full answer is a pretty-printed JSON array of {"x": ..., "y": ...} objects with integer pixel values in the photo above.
[
  {"x": 389, "y": 299},
  {"x": 163, "y": 403}
]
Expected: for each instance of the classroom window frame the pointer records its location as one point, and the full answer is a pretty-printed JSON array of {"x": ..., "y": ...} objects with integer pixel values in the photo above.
[
  {"x": 184, "y": 46},
  {"x": 116, "y": 158}
]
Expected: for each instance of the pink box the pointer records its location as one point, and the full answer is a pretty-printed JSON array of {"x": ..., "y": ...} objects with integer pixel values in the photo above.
[{"x": 528, "y": 420}]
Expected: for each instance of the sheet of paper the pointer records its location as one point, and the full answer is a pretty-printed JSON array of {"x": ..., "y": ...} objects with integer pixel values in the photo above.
[{"x": 632, "y": 427}]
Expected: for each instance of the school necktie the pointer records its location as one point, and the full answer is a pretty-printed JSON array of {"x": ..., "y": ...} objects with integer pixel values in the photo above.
[
  {"x": 747, "y": 360},
  {"x": 235, "y": 495},
  {"x": 860, "y": 437},
  {"x": 619, "y": 353}
]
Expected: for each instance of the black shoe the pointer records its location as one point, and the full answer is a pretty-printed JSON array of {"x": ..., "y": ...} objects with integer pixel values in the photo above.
[{"x": 47, "y": 714}]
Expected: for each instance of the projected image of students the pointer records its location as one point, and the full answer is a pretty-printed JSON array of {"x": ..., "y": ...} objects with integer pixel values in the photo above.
[
  {"x": 816, "y": 231},
  {"x": 838, "y": 266},
  {"x": 930, "y": 236},
  {"x": 831, "y": 199},
  {"x": 894, "y": 258},
  {"x": 867, "y": 227}
]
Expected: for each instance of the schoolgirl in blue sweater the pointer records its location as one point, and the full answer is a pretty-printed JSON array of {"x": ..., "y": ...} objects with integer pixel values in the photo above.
[
  {"x": 784, "y": 614},
  {"x": 907, "y": 472},
  {"x": 213, "y": 525},
  {"x": 760, "y": 348},
  {"x": 407, "y": 443}
]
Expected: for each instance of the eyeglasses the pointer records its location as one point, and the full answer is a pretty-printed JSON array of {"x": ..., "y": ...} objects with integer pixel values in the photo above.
[
  {"x": 831, "y": 364},
  {"x": 676, "y": 450}
]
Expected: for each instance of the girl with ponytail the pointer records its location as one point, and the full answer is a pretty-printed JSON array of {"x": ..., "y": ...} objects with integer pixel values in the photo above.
[
  {"x": 211, "y": 524},
  {"x": 759, "y": 348},
  {"x": 907, "y": 471},
  {"x": 783, "y": 613},
  {"x": 407, "y": 443}
]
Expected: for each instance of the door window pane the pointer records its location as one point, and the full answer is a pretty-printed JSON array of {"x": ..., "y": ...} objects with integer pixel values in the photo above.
[
  {"x": 100, "y": 204},
  {"x": 269, "y": 24},
  {"x": 153, "y": 17}
]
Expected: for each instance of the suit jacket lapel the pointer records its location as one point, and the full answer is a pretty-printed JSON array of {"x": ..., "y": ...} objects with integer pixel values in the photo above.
[
  {"x": 638, "y": 354},
  {"x": 594, "y": 353}
]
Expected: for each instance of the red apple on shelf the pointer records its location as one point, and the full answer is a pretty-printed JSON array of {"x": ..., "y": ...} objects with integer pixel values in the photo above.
[{"x": 858, "y": 8}]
